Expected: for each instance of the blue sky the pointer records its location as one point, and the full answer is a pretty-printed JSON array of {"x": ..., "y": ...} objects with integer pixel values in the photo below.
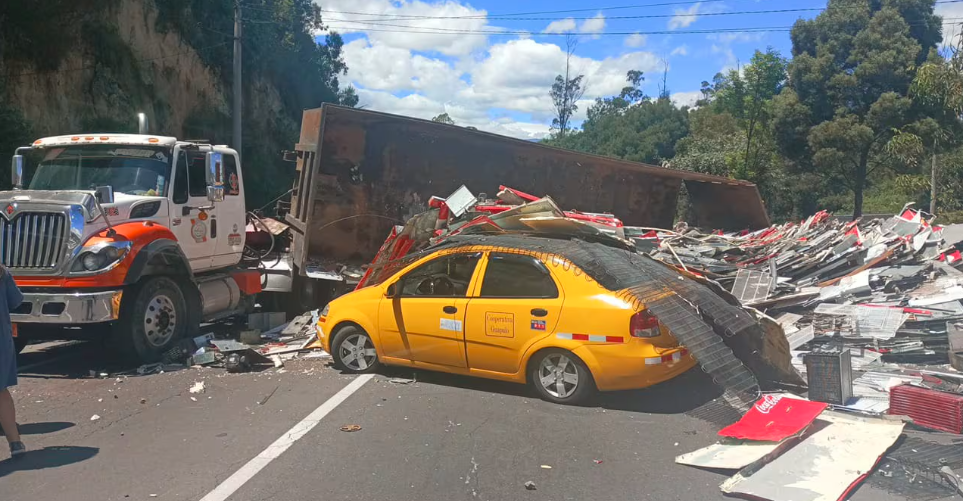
[{"x": 490, "y": 63}]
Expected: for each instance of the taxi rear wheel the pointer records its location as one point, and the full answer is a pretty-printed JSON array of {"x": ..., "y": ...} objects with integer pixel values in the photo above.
[
  {"x": 354, "y": 352},
  {"x": 561, "y": 377}
]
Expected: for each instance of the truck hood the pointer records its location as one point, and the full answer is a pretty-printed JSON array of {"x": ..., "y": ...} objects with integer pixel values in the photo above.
[{"x": 119, "y": 210}]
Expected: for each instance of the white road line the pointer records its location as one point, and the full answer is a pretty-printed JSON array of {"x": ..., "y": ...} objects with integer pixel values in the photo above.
[{"x": 247, "y": 472}]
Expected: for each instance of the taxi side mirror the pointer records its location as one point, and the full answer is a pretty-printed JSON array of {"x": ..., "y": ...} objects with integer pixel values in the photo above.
[{"x": 392, "y": 290}]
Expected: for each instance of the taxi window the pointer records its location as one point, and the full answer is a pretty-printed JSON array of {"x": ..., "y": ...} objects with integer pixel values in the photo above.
[
  {"x": 513, "y": 275},
  {"x": 446, "y": 276}
]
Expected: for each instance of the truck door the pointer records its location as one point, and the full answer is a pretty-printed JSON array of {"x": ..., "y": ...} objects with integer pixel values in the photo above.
[
  {"x": 228, "y": 228},
  {"x": 190, "y": 224},
  {"x": 519, "y": 303}
]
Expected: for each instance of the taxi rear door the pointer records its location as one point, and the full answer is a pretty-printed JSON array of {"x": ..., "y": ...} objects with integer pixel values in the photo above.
[{"x": 517, "y": 303}]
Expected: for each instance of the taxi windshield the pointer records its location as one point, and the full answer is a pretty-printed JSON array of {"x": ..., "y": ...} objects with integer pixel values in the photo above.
[{"x": 134, "y": 170}]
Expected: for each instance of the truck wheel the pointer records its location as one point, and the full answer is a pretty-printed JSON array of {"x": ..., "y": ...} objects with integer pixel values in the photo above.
[
  {"x": 354, "y": 352},
  {"x": 561, "y": 377},
  {"x": 153, "y": 317}
]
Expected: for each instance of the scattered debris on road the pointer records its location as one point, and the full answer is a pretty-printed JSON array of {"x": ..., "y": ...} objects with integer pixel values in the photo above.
[
  {"x": 197, "y": 387},
  {"x": 530, "y": 485},
  {"x": 94, "y": 417},
  {"x": 350, "y": 427}
]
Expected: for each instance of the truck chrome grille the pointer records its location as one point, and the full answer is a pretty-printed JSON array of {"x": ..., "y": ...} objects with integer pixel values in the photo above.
[{"x": 33, "y": 240}]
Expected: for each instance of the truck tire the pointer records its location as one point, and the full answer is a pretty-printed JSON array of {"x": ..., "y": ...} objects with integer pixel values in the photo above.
[{"x": 153, "y": 317}]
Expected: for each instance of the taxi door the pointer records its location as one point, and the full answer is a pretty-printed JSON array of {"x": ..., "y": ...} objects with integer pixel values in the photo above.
[
  {"x": 517, "y": 303},
  {"x": 425, "y": 321}
]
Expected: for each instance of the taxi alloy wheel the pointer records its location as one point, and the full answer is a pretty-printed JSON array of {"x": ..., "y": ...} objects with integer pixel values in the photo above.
[
  {"x": 354, "y": 351},
  {"x": 559, "y": 376}
]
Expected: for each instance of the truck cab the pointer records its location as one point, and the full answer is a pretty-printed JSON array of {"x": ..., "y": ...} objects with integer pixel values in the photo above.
[{"x": 134, "y": 236}]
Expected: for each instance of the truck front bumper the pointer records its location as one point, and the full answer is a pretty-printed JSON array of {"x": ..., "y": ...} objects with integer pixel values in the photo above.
[{"x": 68, "y": 308}]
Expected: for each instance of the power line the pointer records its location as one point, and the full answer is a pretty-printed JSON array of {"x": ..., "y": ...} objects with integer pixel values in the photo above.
[
  {"x": 455, "y": 31},
  {"x": 512, "y": 16},
  {"x": 534, "y": 13},
  {"x": 647, "y": 16},
  {"x": 446, "y": 31}
]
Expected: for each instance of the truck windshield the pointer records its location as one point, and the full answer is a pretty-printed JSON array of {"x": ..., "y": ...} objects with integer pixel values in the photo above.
[{"x": 130, "y": 169}]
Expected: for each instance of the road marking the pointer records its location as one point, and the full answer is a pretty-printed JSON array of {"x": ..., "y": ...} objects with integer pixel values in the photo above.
[{"x": 273, "y": 451}]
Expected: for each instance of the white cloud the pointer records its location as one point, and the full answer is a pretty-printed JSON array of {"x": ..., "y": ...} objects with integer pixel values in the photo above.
[
  {"x": 951, "y": 32},
  {"x": 422, "y": 107},
  {"x": 729, "y": 59},
  {"x": 404, "y": 26},
  {"x": 593, "y": 25},
  {"x": 684, "y": 17},
  {"x": 686, "y": 98},
  {"x": 501, "y": 87},
  {"x": 636, "y": 40},
  {"x": 560, "y": 26},
  {"x": 681, "y": 50}
]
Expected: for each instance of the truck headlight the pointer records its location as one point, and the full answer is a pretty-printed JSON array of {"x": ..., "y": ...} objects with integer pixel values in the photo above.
[{"x": 100, "y": 257}]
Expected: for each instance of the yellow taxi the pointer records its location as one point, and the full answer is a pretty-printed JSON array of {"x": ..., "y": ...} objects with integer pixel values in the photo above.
[{"x": 503, "y": 312}]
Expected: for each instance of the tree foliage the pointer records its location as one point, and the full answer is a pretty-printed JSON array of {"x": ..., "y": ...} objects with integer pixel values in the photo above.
[
  {"x": 443, "y": 118},
  {"x": 629, "y": 126},
  {"x": 848, "y": 88},
  {"x": 566, "y": 91}
]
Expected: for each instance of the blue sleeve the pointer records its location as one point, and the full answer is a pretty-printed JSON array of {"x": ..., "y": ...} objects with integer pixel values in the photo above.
[{"x": 14, "y": 296}]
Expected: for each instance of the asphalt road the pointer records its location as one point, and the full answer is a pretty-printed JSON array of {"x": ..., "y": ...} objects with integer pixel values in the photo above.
[{"x": 437, "y": 438}]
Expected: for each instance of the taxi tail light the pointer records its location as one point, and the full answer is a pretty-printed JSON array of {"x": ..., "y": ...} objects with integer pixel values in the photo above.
[{"x": 644, "y": 324}]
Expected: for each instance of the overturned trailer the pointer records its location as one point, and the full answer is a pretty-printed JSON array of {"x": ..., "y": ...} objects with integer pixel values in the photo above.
[{"x": 361, "y": 172}]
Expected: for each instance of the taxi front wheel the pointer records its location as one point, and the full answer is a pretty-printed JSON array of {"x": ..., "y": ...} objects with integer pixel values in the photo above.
[
  {"x": 354, "y": 352},
  {"x": 560, "y": 377}
]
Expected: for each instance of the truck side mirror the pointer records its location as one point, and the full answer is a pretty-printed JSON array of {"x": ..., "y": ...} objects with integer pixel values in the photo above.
[
  {"x": 104, "y": 194},
  {"x": 16, "y": 168},
  {"x": 214, "y": 173}
]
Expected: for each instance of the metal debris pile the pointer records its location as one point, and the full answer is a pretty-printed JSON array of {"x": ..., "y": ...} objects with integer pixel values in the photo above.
[
  {"x": 265, "y": 339},
  {"x": 888, "y": 291}
]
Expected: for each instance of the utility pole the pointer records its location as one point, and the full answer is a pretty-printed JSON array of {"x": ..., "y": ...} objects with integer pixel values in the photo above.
[
  {"x": 237, "y": 77},
  {"x": 933, "y": 181}
]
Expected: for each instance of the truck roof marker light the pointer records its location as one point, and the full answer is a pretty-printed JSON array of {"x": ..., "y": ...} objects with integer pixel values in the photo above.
[
  {"x": 75, "y": 138},
  {"x": 153, "y": 140},
  {"x": 104, "y": 138},
  {"x": 37, "y": 142},
  {"x": 89, "y": 138}
]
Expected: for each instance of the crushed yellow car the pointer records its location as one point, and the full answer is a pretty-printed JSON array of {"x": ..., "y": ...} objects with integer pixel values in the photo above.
[{"x": 509, "y": 308}]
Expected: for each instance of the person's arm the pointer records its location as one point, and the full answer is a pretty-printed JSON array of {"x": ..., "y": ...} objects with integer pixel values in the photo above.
[{"x": 14, "y": 296}]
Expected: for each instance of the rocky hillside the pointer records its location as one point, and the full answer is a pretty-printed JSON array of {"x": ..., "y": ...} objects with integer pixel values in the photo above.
[{"x": 91, "y": 65}]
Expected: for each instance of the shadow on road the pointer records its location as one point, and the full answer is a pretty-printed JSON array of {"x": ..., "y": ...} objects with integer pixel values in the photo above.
[
  {"x": 48, "y": 457},
  {"x": 684, "y": 394},
  {"x": 42, "y": 428}
]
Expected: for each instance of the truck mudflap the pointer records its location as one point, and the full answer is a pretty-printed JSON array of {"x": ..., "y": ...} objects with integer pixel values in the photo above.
[{"x": 68, "y": 307}]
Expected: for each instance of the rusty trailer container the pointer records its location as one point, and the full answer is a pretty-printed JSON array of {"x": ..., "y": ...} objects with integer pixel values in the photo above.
[{"x": 360, "y": 172}]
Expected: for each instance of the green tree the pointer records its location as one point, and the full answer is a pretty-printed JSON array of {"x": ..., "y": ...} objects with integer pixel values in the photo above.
[
  {"x": 747, "y": 96},
  {"x": 566, "y": 91},
  {"x": 443, "y": 118},
  {"x": 848, "y": 83}
]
